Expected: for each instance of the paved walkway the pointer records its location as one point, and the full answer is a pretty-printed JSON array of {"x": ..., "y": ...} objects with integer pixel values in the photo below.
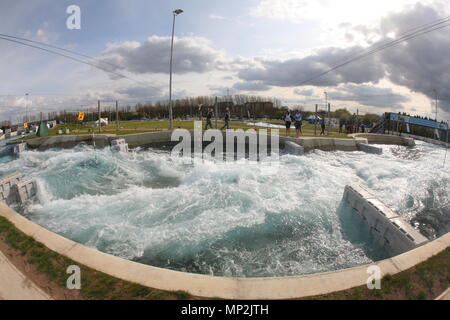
[
  {"x": 15, "y": 286},
  {"x": 445, "y": 295}
]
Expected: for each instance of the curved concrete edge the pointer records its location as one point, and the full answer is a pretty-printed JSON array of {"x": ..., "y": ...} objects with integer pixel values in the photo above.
[
  {"x": 428, "y": 140},
  {"x": 162, "y": 137},
  {"x": 101, "y": 140},
  {"x": 375, "y": 138},
  {"x": 445, "y": 295},
  {"x": 212, "y": 287},
  {"x": 149, "y": 138}
]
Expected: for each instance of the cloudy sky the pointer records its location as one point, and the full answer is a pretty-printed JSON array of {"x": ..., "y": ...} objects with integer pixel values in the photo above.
[{"x": 272, "y": 48}]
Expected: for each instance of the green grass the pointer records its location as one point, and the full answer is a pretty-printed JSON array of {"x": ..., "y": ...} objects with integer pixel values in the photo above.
[
  {"x": 423, "y": 282},
  {"x": 95, "y": 285}
]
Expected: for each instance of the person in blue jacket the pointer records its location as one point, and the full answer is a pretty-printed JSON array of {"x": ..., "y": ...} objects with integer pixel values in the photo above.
[{"x": 298, "y": 124}]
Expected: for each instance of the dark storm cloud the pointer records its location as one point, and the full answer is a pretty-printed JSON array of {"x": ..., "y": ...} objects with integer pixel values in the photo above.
[
  {"x": 421, "y": 64},
  {"x": 369, "y": 96},
  {"x": 295, "y": 71},
  {"x": 141, "y": 92},
  {"x": 251, "y": 86}
]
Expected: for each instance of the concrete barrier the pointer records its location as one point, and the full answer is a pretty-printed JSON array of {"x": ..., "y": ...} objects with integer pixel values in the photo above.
[
  {"x": 7, "y": 194},
  {"x": 119, "y": 145},
  {"x": 293, "y": 148},
  {"x": 394, "y": 234},
  {"x": 67, "y": 142},
  {"x": 24, "y": 190},
  {"x": 385, "y": 139},
  {"x": 19, "y": 148},
  {"x": 163, "y": 138},
  {"x": 428, "y": 140},
  {"x": 15, "y": 191},
  {"x": 147, "y": 139},
  {"x": 369, "y": 149}
]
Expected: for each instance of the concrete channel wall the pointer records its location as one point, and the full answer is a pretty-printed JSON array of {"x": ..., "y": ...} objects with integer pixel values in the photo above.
[
  {"x": 394, "y": 234},
  {"x": 67, "y": 142},
  {"x": 6, "y": 187},
  {"x": 428, "y": 140},
  {"x": 15, "y": 191},
  {"x": 163, "y": 138},
  {"x": 219, "y": 287},
  {"x": 385, "y": 139},
  {"x": 368, "y": 148}
]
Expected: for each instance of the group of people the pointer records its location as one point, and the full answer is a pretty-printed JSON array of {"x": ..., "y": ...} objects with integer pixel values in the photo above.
[
  {"x": 352, "y": 128},
  {"x": 298, "y": 123},
  {"x": 210, "y": 116},
  {"x": 418, "y": 117}
]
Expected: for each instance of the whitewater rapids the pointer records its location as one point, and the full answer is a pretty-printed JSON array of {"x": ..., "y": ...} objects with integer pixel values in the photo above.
[{"x": 231, "y": 219}]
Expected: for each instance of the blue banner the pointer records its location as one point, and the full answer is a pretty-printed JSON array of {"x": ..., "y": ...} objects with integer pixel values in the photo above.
[{"x": 418, "y": 121}]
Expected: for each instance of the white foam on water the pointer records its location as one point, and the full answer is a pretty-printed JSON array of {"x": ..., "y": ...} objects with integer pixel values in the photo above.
[{"x": 230, "y": 219}]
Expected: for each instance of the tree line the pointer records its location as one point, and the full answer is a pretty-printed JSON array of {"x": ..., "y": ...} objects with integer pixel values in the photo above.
[{"x": 240, "y": 106}]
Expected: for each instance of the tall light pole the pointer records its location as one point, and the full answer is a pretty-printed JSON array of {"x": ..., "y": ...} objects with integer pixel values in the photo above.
[
  {"x": 26, "y": 108},
  {"x": 435, "y": 91},
  {"x": 175, "y": 13},
  {"x": 328, "y": 113}
]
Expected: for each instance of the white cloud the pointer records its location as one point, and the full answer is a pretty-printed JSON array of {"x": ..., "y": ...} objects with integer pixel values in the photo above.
[
  {"x": 191, "y": 54},
  {"x": 330, "y": 12},
  {"x": 216, "y": 17}
]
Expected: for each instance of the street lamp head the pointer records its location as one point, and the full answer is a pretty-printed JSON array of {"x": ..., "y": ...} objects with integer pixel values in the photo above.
[{"x": 178, "y": 11}]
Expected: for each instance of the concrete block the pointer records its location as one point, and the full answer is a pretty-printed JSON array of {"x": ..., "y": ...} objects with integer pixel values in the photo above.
[
  {"x": 24, "y": 190},
  {"x": 369, "y": 149},
  {"x": 361, "y": 140},
  {"x": 119, "y": 145},
  {"x": 394, "y": 234},
  {"x": 6, "y": 185},
  {"x": 19, "y": 148},
  {"x": 348, "y": 143},
  {"x": 293, "y": 148},
  {"x": 409, "y": 142}
]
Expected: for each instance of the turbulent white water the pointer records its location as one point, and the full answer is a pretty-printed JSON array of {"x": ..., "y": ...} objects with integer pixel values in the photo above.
[{"x": 231, "y": 219}]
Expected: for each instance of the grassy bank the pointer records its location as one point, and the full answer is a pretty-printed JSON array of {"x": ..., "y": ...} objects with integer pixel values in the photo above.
[{"x": 426, "y": 281}]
